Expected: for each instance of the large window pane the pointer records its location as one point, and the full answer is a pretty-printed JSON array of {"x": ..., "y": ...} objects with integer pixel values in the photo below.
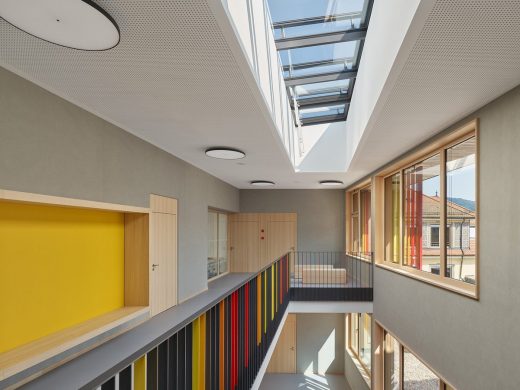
[
  {"x": 222, "y": 243},
  {"x": 365, "y": 216},
  {"x": 393, "y": 218},
  {"x": 212, "y": 244},
  {"x": 355, "y": 221},
  {"x": 333, "y": 57},
  {"x": 316, "y": 112},
  {"x": 354, "y": 329},
  {"x": 416, "y": 375},
  {"x": 327, "y": 88},
  {"x": 392, "y": 361},
  {"x": 422, "y": 211},
  {"x": 365, "y": 339},
  {"x": 282, "y": 10},
  {"x": 461, "y": 226}
]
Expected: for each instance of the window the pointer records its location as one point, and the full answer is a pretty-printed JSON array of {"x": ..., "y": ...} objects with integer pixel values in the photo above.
[
  {"x": 402, "y": 370},
  {"x": 422, "y": 207},
  {"x": 416, "y": 375},
  {"x": 434, "y": 236},
  {"x": 392, "y": 363},
  {"x": 460, "y": 210},
  {"x": 430, "y": 216},
  {"x": 360, "y": 338},
  {"x": 217, "y": 244},
  {"x": 360, "y": 228}
]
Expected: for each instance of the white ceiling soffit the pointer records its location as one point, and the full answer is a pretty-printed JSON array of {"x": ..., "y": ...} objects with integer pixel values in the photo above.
[
  {"x": 176, "y": 80},
  {"x": 466, "y": 54}
]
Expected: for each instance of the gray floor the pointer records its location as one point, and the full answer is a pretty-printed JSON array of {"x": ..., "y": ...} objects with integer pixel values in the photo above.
[{"x": 304, "y": 382}]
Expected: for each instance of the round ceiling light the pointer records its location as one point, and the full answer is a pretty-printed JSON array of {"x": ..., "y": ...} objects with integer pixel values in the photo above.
[
  {"x": 331, "y": 183},
  {"x": 77, "y": 24},
  {"x": 262, "y": 183},
  {"x": 225, "y": 153}
]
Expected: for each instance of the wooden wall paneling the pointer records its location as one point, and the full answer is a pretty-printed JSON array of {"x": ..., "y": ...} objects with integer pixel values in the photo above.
[
  {"x": 280, "y": 239},
  {"x": 163, "y": 204},
  {"x": 244, "y": 243},
  {"x": 136, "y": 259},
  {"x": 163, "y": 253},
  {"x": 257, "y": 239},
  {"x": 283, "y": 359}
]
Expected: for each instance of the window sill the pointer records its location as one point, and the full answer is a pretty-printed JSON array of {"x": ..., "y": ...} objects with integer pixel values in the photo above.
[
  {"x": 361, "y": 368},
  {"x": 456, "y": 286}
]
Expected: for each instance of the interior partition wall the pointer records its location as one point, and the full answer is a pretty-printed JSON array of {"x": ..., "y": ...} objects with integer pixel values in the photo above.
[{"x": 223, "y": 348}]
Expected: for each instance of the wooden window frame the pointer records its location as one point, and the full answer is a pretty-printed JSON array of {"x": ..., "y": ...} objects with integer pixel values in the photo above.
[
  {"x": 440, "y": 146},
  {"x": 349, "y": 231},
  {"x": 353, "y": 351},
  {"x": 218, "y": 275},
  {"x": 379, "y": 380}
]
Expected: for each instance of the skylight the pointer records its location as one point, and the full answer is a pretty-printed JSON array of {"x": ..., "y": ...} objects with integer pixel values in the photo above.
[{"x": 320, "y": 44}]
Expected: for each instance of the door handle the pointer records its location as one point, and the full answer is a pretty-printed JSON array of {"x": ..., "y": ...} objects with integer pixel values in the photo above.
[
  {"x": 154, "y": 265},
  {"x": 292, "y": 348}
]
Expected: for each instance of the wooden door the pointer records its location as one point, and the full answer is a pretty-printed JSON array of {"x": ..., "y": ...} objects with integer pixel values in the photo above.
[
  {"x": 284, "y": 355},
  {"x": 280, "y": 239},
  {"x": 163, "y": 255},
  {"x": 243, "y": 243}
]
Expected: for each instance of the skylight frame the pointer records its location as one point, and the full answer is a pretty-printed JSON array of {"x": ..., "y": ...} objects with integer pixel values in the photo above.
[{"x": 347, "y": 35}]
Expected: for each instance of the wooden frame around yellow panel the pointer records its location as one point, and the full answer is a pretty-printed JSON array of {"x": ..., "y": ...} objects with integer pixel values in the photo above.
[{"x": 100, "y": 328}]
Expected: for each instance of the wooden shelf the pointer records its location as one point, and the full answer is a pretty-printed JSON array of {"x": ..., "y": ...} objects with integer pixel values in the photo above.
[{"x": 91, "y": 333}]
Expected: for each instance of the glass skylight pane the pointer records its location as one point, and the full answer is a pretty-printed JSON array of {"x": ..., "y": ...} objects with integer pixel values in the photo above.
[
  {"x": 282, "y": 10},
  {"x": 316, "y": 112},
  {"x": 344, "y": 53},
  {"x": 328, "y": 88},
  {"x": 345, "y": 24}
]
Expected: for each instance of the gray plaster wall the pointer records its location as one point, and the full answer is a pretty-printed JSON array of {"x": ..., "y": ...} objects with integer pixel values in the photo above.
[
  {"x": 321, "y": 214},
  {"x": 50, "y": 146},
  {"x": 320, "y": 332},
  {"x": 472, "y": 344}
]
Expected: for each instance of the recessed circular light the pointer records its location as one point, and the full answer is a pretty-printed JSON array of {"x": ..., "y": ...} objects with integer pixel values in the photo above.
[
  {"x": 331, "y": 183},
  {"x": 76, "y": 24},
  {"x": 262, "y": 183},
  {"x": 225, "y": 153}
]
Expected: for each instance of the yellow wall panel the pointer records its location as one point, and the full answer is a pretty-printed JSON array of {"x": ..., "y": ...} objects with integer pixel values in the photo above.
[{"x": 59, "y": 266}]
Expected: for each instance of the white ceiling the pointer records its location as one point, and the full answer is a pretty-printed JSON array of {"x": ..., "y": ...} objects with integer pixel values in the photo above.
[
  {"x": 175, "y": 81},
  {"x": 466, "y": 54},
  {"x": 172, "y": 81}
]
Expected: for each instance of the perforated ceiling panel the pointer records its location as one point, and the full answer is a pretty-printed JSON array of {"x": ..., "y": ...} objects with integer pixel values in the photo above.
[
  {"x": 467, "y": 54},
  {"x": 173, "y": 80}
]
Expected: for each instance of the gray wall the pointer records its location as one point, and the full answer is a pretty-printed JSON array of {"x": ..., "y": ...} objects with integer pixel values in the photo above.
[
  {"x": 50, "y": 146},
  {"x": 321, "y": 214},
  {"x": 312, "y": 333},
  {"x": 472, "y": 344}
]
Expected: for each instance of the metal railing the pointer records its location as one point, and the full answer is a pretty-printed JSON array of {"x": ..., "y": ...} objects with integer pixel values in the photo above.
[{"x": 331, "y": 276}]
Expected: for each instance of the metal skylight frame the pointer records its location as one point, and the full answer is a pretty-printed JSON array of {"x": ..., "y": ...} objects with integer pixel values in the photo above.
[{"x": 299, "y": 41}]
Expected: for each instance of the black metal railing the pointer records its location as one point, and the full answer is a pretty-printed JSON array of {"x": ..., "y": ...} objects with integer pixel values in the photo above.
[{"x": 331, "y": 276}]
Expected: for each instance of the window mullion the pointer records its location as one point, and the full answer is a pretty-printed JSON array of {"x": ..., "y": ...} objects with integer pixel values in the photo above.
[
  {"x": 443, "y": 220},
  {"x": 401, "y": 219}
]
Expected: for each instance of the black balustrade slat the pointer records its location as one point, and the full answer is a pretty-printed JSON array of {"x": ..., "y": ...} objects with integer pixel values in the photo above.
[
  {"x": 125, "y": 379},
  {"x": 162, "y": 366},
  {"x": 172, "y": 362},
  {"x": 181, "y": 360},
  {"x": 151, "y": 370}
]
